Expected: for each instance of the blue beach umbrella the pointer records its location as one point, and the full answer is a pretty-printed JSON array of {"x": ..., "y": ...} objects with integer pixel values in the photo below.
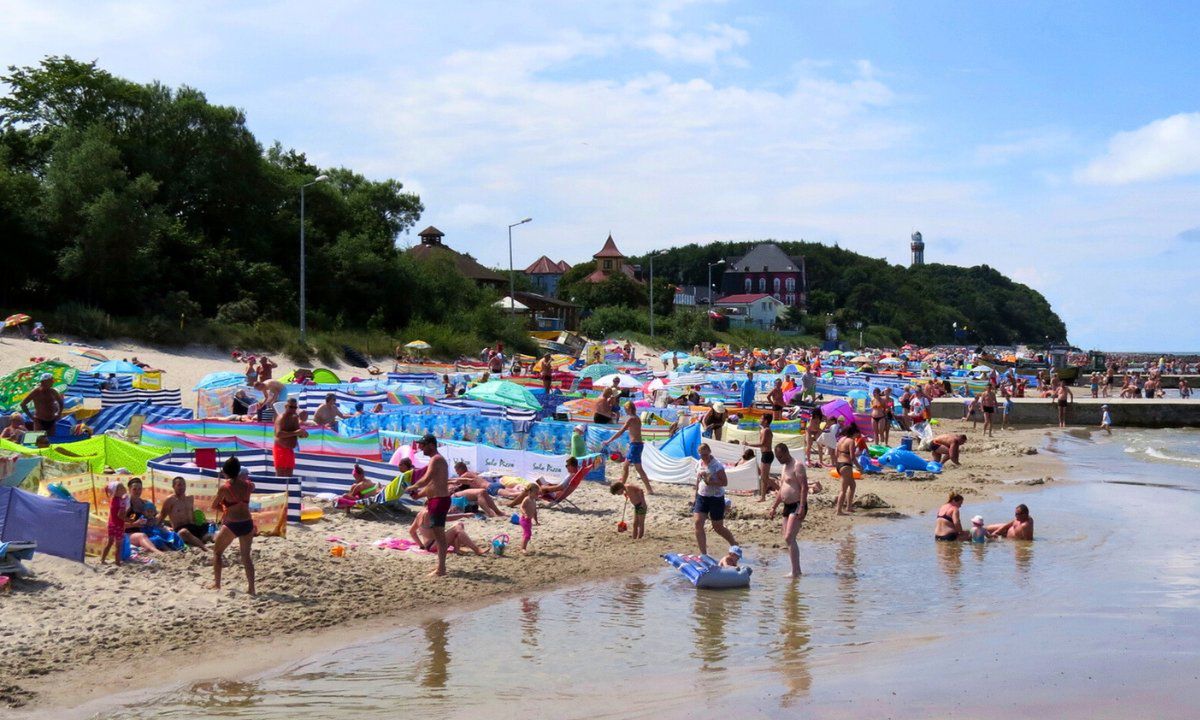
[
  {"x": 118, "y": 367},
  {"x": 222, "y": 379}
]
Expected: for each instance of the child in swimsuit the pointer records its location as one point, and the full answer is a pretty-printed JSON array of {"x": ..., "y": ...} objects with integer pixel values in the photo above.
[
  {"x": 118, "y": 506},
  {"x": 527, "y": 502},
  {"x": 732, "y": 557},
  {"x": 978, "y": 532},
  {"x": 637, "y": 498}
]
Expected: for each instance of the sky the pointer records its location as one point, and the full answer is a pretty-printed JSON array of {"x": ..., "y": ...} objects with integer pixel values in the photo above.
[{"x": 1057, "y": 142}]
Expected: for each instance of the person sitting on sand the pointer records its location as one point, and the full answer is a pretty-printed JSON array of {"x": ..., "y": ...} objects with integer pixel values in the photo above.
[
  {"x": 15, "y": 430},
  {"x": 546, "y": 490},
  {"x": 359, "y": 489},
  {"x": 1019, "y": 528},
  {"x": 456, "y": 535},
  {"x": 179, "y": 511},
  {"x": 948, "y": 526},
  {"x": 946, "y": 447},
  {"x": 467, "y": 499}
]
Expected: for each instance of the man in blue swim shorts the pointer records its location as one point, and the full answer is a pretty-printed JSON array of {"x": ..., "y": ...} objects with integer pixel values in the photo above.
[
  {"x": 632, "y": 425},
  {"x": 710, "y": 498}
]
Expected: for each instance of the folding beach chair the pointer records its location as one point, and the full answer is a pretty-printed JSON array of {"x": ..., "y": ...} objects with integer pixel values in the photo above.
[
  {"x": 389, "y": 497},
  {"x": 131, "y": 432},
  {"x": 586, "y": 464}
]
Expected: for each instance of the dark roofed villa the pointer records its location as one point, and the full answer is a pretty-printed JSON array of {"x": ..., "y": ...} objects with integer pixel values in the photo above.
[{"x": 431, "y": 246}]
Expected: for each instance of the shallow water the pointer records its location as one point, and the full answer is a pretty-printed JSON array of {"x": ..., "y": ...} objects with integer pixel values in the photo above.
[{"x": 1097, "y": 618}]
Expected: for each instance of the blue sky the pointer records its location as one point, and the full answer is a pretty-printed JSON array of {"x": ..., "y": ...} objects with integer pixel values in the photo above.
[{"x": 1058, "y": 142}]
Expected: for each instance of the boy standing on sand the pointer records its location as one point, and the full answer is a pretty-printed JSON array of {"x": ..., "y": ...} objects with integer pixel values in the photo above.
[
  {"x": 637, "y": 498},
  {"x": 633, "y": 424}
]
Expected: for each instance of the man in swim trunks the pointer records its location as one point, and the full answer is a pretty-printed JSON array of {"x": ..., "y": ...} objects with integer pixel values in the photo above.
[
  {"x": 48, "y": 405},
  {"x": 775, "y": 397},
  {"x": 434, "y": 487},
  {"x": 1062, "y": 397},
  {"x": 633, "y": 424},
  {"x": 988, "y": 403},
  {"x": 328, "y": 413},
  {"x": 793, "y": 495},
  {"x": 287, "y": 436},
  {"x": 946, "y": 447},
  {"x": 179, "y": 511},
  {"x": 1019, "y": 528},
  {"x": 710, "y": 498}
]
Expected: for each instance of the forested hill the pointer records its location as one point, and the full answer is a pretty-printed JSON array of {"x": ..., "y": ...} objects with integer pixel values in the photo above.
[
  {"x": 921, "y": 304},
  {"x": 146, "y": 201}
]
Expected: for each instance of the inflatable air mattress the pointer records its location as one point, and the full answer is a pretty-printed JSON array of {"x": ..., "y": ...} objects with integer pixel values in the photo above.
[{"x": 704, "y": 572}]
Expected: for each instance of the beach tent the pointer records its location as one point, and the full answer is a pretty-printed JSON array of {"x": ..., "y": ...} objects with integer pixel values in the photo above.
[
  {"x": 117, "y": 367},
  {"x": 320, "y": 376},
  {"x": 516, "y": 305},
  {"x": 683, "y": 444},
  {"x": 503, "y": 392},
  {"x": 59, "y": 527},
  {"x": 673, "y": 355}
]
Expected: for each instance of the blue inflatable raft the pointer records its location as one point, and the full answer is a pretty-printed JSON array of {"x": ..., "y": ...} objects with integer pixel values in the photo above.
[{"x": 705, "y": 572}]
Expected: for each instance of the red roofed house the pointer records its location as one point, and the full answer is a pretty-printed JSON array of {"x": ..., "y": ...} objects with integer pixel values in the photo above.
[
  {"x": 544, "y": 274},
  {"x": 608, "y": 261},
  {"x": 758, "y": 310}
]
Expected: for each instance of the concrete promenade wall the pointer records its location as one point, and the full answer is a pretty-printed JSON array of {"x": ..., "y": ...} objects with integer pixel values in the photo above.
[{"x": 1086, "y": 411}]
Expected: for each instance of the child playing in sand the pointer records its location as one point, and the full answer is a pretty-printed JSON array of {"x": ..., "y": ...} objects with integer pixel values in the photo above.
[
  {"x": 527, "y": 502},
  {"x": 978, "y": 533},
  {"x": 637, "y": 498},
  {"x": 1105, "y": 419},
  {"x": 118, "y": 506},
  {"x": 732, "y": 557}
]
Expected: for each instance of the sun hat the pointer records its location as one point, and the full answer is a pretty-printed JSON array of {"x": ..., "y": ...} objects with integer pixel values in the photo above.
[
  {"x": 719, "y": 406},
  {"x": 579, "y": 428},
  {"x": 977, "y": 520},
  {"x": 736, "y": 550},
  {"x": 45, "y": 377}
]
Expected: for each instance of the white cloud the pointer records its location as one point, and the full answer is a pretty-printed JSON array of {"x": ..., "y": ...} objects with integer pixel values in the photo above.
[
  {"x": 716, "y": 40},
  {"x": 1161, "y": 150}
]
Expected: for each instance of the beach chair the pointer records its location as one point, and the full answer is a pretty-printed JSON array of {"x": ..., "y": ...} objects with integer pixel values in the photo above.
[
  {"x": 586, "y": 464},
  {"x": 389, "y": 498},
  {"x": 131, "y": 432}
]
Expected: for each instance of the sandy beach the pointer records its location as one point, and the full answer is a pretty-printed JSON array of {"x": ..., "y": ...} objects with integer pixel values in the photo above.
[{"x": 142, "y": 626}]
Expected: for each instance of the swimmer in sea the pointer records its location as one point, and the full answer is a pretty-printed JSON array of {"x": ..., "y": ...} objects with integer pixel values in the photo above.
[{"x": 1019, "y": 528}]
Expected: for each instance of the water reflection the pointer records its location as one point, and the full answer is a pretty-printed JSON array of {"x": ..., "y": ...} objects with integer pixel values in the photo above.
[
  {"x": 847, "y": 574},
  {"x": 712, "y": 611},
  {"x": 435, "y": 673},
  {"x": 790, "y": 649},
  {"x": 530, "y": 626},
  {"x": 1023, "y": 557},
  {"x": 949, "y": 556},
  {"x": 226, "y": 694}
]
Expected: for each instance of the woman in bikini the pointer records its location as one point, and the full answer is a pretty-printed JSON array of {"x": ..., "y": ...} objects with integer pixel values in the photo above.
[
  {"x": 948, "y": 527},
  {"x": 233, "y": 501},
  {"x": 846, "y": 462},
  {"x": 879, "y": 419}
]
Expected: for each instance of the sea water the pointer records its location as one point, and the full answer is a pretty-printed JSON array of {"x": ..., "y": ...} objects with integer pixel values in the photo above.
[{"x": 1099, "y": 617}]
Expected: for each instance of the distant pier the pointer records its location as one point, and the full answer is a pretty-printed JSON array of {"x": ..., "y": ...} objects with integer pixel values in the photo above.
[{"x": 1133, "y": 412}]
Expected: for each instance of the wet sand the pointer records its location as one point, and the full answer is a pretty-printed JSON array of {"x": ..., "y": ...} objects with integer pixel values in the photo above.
[{"x": 74, "y": 616}]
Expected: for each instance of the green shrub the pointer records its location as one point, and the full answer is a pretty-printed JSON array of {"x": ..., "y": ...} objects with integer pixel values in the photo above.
[
  {"x": 238, "y": 311},
  {"x": 605, "y": 321},
  {"x": 82, "y": 320}
]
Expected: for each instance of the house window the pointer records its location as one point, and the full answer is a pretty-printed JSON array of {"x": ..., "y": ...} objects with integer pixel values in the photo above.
[
  {"x": 791, "y": 284},
  {"x": 791, "y": 299},
  {"x": 776, "y": 285},
  {"x": 777, "y": 297},
  {"x": 608, "y": 264},
  {"x": 762, "y": 284},
  {"x": 748, "y": 285}
]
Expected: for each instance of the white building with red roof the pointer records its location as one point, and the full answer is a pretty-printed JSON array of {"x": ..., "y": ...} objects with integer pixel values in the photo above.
[{"x": 757, "y": 310}]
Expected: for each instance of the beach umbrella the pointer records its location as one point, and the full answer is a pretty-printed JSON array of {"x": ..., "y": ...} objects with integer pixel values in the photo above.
[
  {"x": 222, "y": 379},
  {"x": 418, "y": 345},
  {"x": 696, "y": 360},
  {"x": 673, "y": 354},
  {"x": 14, "y": 320},
  {"x": 596, "y": 371},
  {"x": 836, "y": 352},
  {"x": 861, "y": 359},
  {"x": 89, "y": 354},
  {"x": 655, "y": 385},
  {"x": 119, "y": 367},
  {"x": 891, "y": 361},
  {"x": 981, "y": 368},
  {"x": 503, "y": 392},
  {"x": 623, "y": 381}
]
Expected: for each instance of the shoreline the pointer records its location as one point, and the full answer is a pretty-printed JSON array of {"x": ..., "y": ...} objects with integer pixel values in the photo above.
[{"x": 303, "y": 591}]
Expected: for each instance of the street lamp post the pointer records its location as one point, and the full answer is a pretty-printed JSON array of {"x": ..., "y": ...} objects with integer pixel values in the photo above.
[
  {"x": 303, "y": 284},
  {"x": 661, "y": 252},
  {"x": 710, "y": 288},
  {"x": 512, "y": 278}
]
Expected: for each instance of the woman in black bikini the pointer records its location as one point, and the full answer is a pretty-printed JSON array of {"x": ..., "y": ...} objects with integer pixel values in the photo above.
[
  {"x": 948, "y": 527},
  {"x": 233, "y": 499},
  {"x": 846, "y": 462}
]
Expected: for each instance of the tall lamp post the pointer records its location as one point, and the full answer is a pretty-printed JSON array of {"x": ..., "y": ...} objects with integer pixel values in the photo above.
[
  {"x": 303, "y": 327},
  {"x": 512, "y": 278},
  {"x": 661, "y": 252},
  {"x": 710, "y": 288}
]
